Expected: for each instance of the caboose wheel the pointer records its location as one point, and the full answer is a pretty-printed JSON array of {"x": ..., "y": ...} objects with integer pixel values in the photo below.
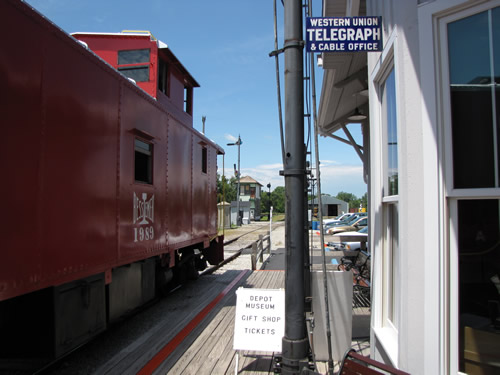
[{"x": 192, "y": 270}]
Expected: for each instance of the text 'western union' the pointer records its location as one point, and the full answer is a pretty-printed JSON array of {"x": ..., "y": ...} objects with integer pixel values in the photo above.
[{"x": 343, "y": 22}]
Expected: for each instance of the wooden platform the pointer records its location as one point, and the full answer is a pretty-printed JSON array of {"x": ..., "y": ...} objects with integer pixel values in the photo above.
[
  {"x": 191, "y": 330},
  {"x": 211, "y": 351},
  {"x": 208, "y": 349}
]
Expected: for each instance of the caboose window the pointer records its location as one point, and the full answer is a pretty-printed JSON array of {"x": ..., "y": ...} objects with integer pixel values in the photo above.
[
  {"x": 135, "y": 56},
  {"x": 143, "y": 161},
  {"x": 204, "y": 160},
  {"x": 138, "y": 74},
  {"x": 163, "y": 77},
  {"x": 128, "y": 64},
  {"x": 188, "y": 99}
]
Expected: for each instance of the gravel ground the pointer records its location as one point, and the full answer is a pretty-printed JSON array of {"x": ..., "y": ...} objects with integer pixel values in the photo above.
[{"x": 239, "y": 241}]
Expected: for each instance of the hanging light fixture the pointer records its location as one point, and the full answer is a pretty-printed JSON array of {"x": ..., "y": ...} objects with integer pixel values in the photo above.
[{"x": 357, "y": 115}]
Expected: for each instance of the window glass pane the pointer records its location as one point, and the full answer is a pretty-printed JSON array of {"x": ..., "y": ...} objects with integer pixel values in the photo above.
[
  {"x": 472, "y": 132},
  {"x": 163, "y": 77},
  {"x": 143, "y": 162},
  {"x": 390, "y": 121},
  {"x": 468, "y": 43},
  {"x": 479, "y": 285},
  {"x": 496, "y": 41},
  {"x": 135, "y": 56},
  {"x": 496, "y": 74},
  {"x": 188, "y": 99},
  {"x": 138, "y": 74},
  {"x": 391, "y": 261},
  {"x": 497, "y": 113},
  {"x": 143, "y": 146},
  {"x": 471, "y": 102},
  {"x": 204, "y": 160}
]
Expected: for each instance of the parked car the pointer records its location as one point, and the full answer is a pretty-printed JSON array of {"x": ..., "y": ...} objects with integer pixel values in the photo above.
[
  {"x": 351, "y": 227},
  {"x": 350, "y": 220},
  {"x": 328, "y": 226},
  {"x": 346, "y": 221},
  {"x": 339, "y": 218},
  {"x": 350, "y": 245}
]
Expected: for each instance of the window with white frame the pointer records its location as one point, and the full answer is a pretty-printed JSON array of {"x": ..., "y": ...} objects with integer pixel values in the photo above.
[
  {"x": 390, "y": 253},
  {"x": 474, "y": 197}
]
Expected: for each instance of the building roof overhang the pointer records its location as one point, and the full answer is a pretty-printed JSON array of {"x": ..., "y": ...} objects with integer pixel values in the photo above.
[{"x": 345, "y": 79}]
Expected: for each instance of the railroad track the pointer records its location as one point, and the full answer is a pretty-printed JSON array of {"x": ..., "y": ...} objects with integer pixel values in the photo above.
[
  {"x": 245, "y": 245},
  {"x": 263, "y": 228}
]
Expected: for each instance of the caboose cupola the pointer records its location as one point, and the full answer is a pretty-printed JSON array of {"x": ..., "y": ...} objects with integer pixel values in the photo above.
[{"x": 149, "y": 63}]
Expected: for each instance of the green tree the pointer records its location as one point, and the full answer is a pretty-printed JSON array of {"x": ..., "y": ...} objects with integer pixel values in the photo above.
[
  {"x": 346, "y": 197},
  {"x": 354, "y": 202},
  {"x": 227, "y": 187},
  {"x": 264, "y": 201},
  {"x": 364, "y": 200},
  {"x": 278, "y": 199}
]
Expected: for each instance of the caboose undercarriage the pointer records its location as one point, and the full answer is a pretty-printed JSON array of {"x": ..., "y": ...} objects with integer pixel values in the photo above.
[{"x": 49, "y": 323}]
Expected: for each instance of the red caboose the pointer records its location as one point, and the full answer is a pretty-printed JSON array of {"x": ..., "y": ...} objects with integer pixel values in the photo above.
[{"x": 109, "y": 193}]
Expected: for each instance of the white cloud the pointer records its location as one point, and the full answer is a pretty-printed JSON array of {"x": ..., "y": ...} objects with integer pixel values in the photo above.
[
  {"x": 337, "y": 178},
  {"x": 263, "y": 174},
  {"x": 328, "y": 162},
  {"x": 230, "y": 137},
  {"x": 275, "y": 166},
  {"x": 333, "y": 171},
  {"x": 334, "y": 177}
]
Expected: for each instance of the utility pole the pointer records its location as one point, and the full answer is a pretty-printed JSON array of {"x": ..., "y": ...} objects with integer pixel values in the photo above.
[
  {"x": 295, "y": 343},
  {"x": 270, "y": 218},
  {"x": 237, "y": 143}
]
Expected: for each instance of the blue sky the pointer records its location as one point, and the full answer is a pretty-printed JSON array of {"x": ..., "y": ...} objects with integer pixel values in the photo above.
[{"x": 225, "y": 45}]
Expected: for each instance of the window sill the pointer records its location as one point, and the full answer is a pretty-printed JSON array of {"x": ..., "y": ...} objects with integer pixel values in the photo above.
[{"x": 388, "y": 338}]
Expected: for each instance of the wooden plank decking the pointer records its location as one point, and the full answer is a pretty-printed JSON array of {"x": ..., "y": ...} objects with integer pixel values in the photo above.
[
  {"x": 212, "y": 352},
  {"x": 209, "y": 348}
]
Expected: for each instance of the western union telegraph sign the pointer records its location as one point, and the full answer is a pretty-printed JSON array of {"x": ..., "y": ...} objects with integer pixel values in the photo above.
[{"x": 344, "y": 34}]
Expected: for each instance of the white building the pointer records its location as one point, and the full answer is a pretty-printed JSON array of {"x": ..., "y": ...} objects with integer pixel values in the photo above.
[
  {"x": 331, "y": 206},
  {"x": 431, "y": 152},
  {"x": 250, "y": 191}
]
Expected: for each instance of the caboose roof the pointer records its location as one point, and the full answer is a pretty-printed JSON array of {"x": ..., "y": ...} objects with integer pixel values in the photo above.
[
  {"x": 164, "y": 48},
  {"x": 161, "y": 46}
]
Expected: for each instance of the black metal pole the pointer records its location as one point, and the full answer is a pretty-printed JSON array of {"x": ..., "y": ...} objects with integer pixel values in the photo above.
[
  {"x": 294, "y": 343},
  {"x": 237, "y": 143},
  {"x": 238, "y": 217},
  {"x": 320, "y": 213}
]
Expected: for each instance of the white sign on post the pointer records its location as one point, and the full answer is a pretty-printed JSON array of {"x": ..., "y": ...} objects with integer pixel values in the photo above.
[{"x": 260, "y": 319}]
